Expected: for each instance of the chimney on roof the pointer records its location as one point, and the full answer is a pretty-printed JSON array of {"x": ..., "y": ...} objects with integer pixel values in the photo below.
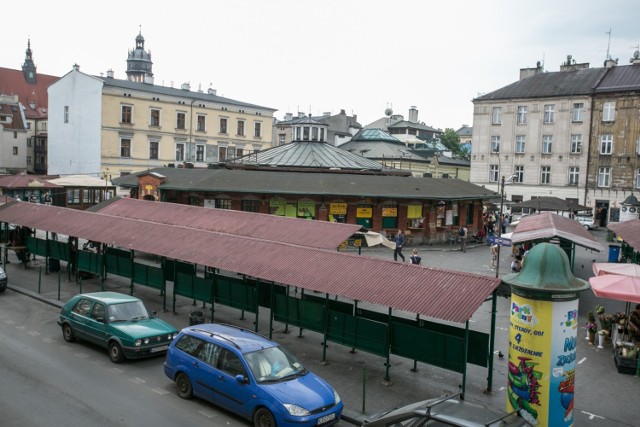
[
  {"x": 76, "y": 67},
  {"x": 110, "y": 74},
  {"x": 342, "y": 112},
  {"x": 326, "y": 114},
  {"x": 610, "y": 63},
  {"x": 301, "y": 114},
  {"x": 636, "y": 58},
  {"x": 528, "y": 72},
  {"x": 288, "y": 116},
  {"x": 212, "y": 91},
  {"x": 570, "y": 65},
  {"x": 185, "y": 86},
  {"x": 413, "y": 114}
]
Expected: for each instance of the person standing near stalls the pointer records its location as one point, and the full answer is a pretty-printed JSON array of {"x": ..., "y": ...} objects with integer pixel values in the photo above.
[
  {"x": 463, "y": 233},
  {"x": 415, "y": 258},
  {"x": 399, "y": 239}
]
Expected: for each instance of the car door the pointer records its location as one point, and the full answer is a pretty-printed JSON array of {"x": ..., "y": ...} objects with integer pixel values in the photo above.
[
  {"x": 96, "y": 326},
  {"x": 79, "y": 316},
  {"x": 231, "y": 393}
]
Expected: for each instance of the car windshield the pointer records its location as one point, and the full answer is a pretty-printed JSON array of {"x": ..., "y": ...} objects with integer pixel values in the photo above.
[
  {"x": 128, "y": 311},
  {"x": 274, "y": 364}
]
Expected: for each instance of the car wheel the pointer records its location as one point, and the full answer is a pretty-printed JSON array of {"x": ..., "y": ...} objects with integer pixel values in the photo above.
[
  {"x": 185, "y": 391},
  {"x": 263, "y": 418},
  {"x": 67, "y": 333},
  {"x": 587, "y": 227},
  {"x": 115, "y": 352}
]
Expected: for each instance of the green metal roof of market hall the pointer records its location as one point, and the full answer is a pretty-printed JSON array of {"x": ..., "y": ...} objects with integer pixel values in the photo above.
[
  {"x": 308, "y": 154},
  {"x": 375, "y": 135}
]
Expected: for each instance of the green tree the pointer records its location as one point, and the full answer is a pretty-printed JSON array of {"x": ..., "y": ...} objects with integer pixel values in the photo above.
[{"x": 451, "y": 140}]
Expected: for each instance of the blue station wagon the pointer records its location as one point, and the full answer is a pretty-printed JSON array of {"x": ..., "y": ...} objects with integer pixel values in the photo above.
[
  {"x": 251, "y": 376},
  {"x": 117, "y": 322}
]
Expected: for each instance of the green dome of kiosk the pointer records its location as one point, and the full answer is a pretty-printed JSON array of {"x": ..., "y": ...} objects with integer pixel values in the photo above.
[{"x": 546, "y": 269}]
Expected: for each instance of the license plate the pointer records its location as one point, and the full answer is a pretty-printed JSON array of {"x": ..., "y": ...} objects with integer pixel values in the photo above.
[
  {"x": 161, "y": 348},
  {"x": 326, "y": 418}
]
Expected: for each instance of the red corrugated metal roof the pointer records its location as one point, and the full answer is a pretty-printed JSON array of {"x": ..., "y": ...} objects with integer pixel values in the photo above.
[
  {"x": 316, "y": 234},
  {"x": 547, "y": 225},
  {"x": 435, "y": 293},
  {"x": 629, "y": 231}
]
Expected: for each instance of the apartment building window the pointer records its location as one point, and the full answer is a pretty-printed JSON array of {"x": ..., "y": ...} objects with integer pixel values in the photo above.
[
  {"x": 520, "y": 139},
  {"x": 240, "y": 127},
  {"x": 604, "y": 176},
  {"x": 223, "y": 204},
  {"x": 495, "y": 144},
  {"x": 494, "y": 171},
  {"x": 223, "y": 125},
  {"x": 282, "y": 139},
  {"x": 314, "y": 134},
  {"x": 43, "y": 126},
  {"x": 578, "y": 111},
  {"x": 28, "y": 160},
  {"x": 194, "y": 200},
  {"x": 181, "y": 121},
  {"x": 257, "y": 130},
  {"x": 154, "y": 117},
  {"x": 15, "y": 151},
  {"x": 576, "y": 144},
  {"x": 496, "y": 116},
  {"x": 606, "y": 143},
  {"x": 545, "y": 175},
  {"x": 179, "y": 151},
  {"x": 608, "y": 112},
  {"x": 66, "y": 114},
  {"x": 549, "y": 113},
  {"x": 238, "y": 150},
  {"x": 125, "y": 147},
  {"x": 153, "y": 150},
  {"x": 250, "y": 205},
  {"x": 222, "y": 154},
  {"x": 126, "y": 114},
  {"x": 305, "y": 133},
  {"x": 522, "y": 115},
  {"x": 321, "y": 134},
  {"x": 547, "y": 143},
  {"x": 519, "y": 173},
  {"x": 201, "y": 123},
  {"x": 574, "y": 175},
  {"x": 200, "y": 153}
]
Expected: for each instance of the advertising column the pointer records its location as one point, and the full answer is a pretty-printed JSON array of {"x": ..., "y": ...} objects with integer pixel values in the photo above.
[{"x": 543, "y": 336}]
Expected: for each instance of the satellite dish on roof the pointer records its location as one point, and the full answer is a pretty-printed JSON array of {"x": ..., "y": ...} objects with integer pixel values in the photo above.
[{"x": 388, "y": 112}]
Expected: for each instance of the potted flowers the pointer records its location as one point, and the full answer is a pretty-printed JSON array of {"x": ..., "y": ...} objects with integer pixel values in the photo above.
[
  {"x": 602, "y": 334},
  {"x": 591, "y": 326}
]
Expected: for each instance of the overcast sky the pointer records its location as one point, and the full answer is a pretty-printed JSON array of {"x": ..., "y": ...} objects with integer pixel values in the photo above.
[{"x": 328, "y": 55}]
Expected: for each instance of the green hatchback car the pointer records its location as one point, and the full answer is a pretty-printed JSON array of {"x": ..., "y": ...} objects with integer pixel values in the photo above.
[{"x": 117, "y": 322}]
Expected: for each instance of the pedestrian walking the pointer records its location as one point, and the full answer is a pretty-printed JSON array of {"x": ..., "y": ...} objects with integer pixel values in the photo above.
[
  {"x": 399, "y": 239},
  {"x": 505, "y": 223},
  {"x": 463, "y": 233},
  {"x": 415, "y": 258},
  {"x": 494, "y": 256}
]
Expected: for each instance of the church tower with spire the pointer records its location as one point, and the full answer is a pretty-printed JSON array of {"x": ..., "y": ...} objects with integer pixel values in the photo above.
[
  {"x": 29, "y": 68},
  {"x": 139, "y": 65}
]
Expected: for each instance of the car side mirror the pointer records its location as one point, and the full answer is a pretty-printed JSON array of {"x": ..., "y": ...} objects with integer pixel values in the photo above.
[{"x": 242, "y": 379}]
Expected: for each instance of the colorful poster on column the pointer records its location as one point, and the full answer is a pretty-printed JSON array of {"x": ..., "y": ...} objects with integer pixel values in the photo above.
[{"x": 542, "y": 360}]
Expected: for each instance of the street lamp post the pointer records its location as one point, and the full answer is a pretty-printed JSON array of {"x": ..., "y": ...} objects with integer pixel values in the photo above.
[{"x": 500, "y": 224}]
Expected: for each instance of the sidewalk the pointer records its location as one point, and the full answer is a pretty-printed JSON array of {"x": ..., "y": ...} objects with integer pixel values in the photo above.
[{"x": 358, "y": 376}]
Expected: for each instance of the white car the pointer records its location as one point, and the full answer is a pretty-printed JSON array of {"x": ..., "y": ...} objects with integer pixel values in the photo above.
[{"x": 587, "y": 222}]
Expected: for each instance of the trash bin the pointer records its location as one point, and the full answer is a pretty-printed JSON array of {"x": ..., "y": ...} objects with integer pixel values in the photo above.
[
  {"x": 196, "y": 318},
  {"x": 614, "y": 253}
]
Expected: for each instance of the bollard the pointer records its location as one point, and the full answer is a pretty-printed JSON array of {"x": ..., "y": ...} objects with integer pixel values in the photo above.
[
  {"x": 364, "y": 386},
  {"x": 39, "y": 278}
]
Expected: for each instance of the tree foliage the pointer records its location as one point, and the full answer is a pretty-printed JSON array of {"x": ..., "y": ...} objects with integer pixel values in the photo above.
[{"x": 451, "y": 140}]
